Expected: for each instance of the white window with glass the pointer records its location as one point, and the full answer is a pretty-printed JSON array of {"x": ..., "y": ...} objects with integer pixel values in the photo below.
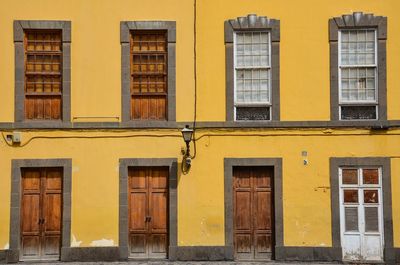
[
  {"x": 252, "y": 63},
  {"x": 358, "y": 86}
]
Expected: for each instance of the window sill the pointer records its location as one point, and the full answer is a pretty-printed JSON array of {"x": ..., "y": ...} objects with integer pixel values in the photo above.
[
  {"x": 148, "y": 124},
  {"x": 44, "y": 124}
]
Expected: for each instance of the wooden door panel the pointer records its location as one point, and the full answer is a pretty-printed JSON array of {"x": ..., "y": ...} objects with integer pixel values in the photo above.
[
  {"x": 52, "y": 217},
  {"x": 158, "y": 211},
  {"x": 263, "y": 246},
  {"x": 138, "y": 205},
  {"x": 243, "y": 217},
  {"x": 137, "y": 178},
  {"x": 242, "y": 178},
  {"x": 253, "y": 212},
  {"x": 138, "y": 244},
  {"x": 30, "y": 246},
  {"x": 54, "y": 179},
  {"x": 159, "y": 178},
  {"x": 243, "y": 246},
  {"x": 30, "y": 214},
  {"x": 158, "y": 245},
  {"x": 31, "y": 180},
  {"x": 51, "y": 246},
  {"x": 148, "y": 208},
  {"x": 262, "y": 210},
  {"x": 41, "y": 210},
  {"x": 262, "y": 177}
]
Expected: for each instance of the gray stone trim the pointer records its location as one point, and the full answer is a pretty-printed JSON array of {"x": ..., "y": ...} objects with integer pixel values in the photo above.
[
  {"x": 229, "y": 163},
  {"x": 308, "y": 253},
  {"x": 354, "y": 21},
  {"x": 124, "y": 163},
  {"x": 125, "y": 28},
  {"x": 384, "y": 163},
  {"x": 3, "y": 253},
  {"x": 358, "y": 124},
  {"x": 397, "y": 254},
  {"x": 89, "y": 254},
  {"x": 252, "y": 22},
  {"x": 201, "y": 253},
  {"x": 19, "y": 27},
  {"x": 15, "y": 221}
]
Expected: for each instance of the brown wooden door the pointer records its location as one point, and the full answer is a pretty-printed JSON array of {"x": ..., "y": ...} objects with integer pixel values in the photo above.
[
  {"x": 148, "y": 212},
  {"x": 41, "y": 213},
  {"x": 253, "y": 213}
]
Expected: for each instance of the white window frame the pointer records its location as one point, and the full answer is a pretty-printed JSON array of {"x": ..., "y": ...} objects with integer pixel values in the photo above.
[
  {"x": 359, "y": 102},
  {"x": 269, "y": 67}
]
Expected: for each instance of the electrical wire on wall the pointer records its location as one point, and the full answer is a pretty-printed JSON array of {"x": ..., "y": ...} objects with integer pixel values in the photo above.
[{"x": 195, "y": 76}]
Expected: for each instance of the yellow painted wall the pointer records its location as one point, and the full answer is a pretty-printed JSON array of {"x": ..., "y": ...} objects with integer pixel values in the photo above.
[
  {"x": 96, "y": 90},
  {"x": 96, "y": 66},
  {"x": 307, "y": 214},
  {"x": 304, "y": 52},
  {"x": 96, "y": 50}
]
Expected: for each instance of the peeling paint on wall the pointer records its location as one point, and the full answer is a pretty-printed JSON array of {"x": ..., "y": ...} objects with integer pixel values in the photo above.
[
  {"x": 102, "y": 243},
  {"x": 7, "y": 246},
  {"x": 74, "y": 242}
]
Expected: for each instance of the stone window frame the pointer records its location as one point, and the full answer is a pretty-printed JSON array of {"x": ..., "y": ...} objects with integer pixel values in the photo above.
[
  {"x": 13, "y": 254},
  {"x": 19, "y": 27},
  {"x": 358, "y": 20},
  {"x": 125, "y": 30},
  {"x": 276, "y": 163},
  {"x": 252, "y": 22},
  {"x": 124, "y": 164},
  {"x": 383, "y": 162}
]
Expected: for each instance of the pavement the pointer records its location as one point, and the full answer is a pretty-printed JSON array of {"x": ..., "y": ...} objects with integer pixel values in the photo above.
[{"x": 179, "y": 263}]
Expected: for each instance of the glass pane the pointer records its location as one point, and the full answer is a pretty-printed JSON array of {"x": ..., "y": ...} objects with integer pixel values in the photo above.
[
  {"x": 247, "y": 37},
  {"x": 371, "y": 196},
  {"x": 264, "y": 49},
  {"x": 264, "y": 37},
  {"x": 239, "y": 60},
  {"x": 371, "y": 219},
  {"x": 239, "y": 49},
  {"x": 357, "y": 47},
  {"x": 256, "y": 74},
  {"x": 256, "y": 37},
  {"x": 351, "y": 218},
  {"x": 239, "y": 38},
  {"x": 350, "y": 196},
  {"x": 370, "y": 35},
  {"x": 349, "y": 176},
  {"x": 370, "y": 176},
  {"x": 355, "y": 81}
]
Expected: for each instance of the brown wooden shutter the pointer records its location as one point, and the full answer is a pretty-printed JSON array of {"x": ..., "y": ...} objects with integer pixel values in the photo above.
[
  {"x": 43, "y": 78},
  {"x": 149, "y": 75}
]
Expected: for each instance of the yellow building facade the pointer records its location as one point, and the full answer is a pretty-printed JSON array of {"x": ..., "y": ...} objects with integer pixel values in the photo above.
[{"x": 333, "y": 189}]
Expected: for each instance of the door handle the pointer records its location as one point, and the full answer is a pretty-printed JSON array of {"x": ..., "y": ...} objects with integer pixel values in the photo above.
[
  {"x": 148, "y": 219},
  {"x": 41, "y": 221}
]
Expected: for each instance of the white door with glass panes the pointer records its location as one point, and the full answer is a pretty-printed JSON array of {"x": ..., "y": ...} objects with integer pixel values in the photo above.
[{"x": 361, "y": 213}]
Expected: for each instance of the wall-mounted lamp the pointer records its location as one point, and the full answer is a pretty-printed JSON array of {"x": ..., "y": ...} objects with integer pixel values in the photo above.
[{"x": 187, "y": 134}]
